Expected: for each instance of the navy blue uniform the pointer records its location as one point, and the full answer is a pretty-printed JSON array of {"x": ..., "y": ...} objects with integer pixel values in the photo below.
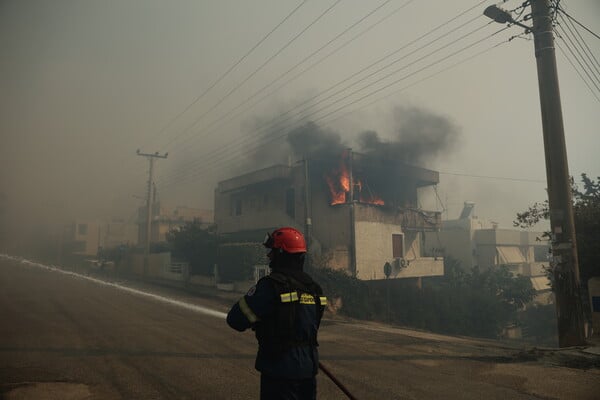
[{"x": 284, "y": 309}]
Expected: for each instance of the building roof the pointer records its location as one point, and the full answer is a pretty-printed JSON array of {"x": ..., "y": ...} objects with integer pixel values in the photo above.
[{"x": 254, "y": 177}]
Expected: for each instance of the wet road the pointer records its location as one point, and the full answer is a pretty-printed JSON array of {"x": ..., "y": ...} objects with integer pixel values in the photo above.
[{"x": 66, "y": 337}]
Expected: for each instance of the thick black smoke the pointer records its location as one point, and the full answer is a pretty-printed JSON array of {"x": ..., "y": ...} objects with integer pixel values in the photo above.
[
  {"x": 420, "y": 137},
  {"x": 417, "y": 138}
]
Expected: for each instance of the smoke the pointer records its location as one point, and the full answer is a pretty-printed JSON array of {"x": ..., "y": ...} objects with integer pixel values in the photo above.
[
  {"x": 312, "y": 141},
  {"x": 417, "y": 138},
  {"x": 420, "y": 137}
]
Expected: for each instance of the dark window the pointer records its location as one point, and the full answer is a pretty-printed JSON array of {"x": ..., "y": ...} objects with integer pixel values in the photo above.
[
  {"x": 397, "y": 245},
  {"x": 290, "y": 202},
  {"x": 236, "y": 206},
  {"x": 82, "y": 229}
]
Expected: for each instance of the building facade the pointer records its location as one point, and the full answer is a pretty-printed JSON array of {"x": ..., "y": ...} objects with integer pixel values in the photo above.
[
  {"x": 357, "y": 213},
  {"x": 165, "y": 219},
  {"x": 478, "y": 242}
]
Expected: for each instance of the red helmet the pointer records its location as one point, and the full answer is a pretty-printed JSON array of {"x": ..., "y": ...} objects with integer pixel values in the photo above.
[{"x": 287, "y": 239}]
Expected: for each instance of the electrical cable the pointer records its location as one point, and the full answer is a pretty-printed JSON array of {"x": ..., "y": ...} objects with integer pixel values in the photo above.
[
  {"x": 578, "y": 61},
  {"x": 574, "y": 42},
  {"x": 577, "y": 22},
  {"x": 205, "y": 167},
  {"x": 274, "y": 124},
  {"x": 390, "y": 54},
  {"x": 235, "y": 88},
  {"x": 228, "y": 71},
  {"x": 423, "y": 79},
  {"x": 384, "y": 58},
  {"x": 577, "y": 71},
  {"x": 501, "y": 178},
  {"x": 216, "y": 122},
  {"x": 259, "y": 144},
  {"x": 227, "y": 148},
  {"x": 586, "y": 49}
]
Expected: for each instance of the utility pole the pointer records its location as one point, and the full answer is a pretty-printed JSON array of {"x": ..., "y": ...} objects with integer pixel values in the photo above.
[
  {"x": 565, "y": 267},
  {"x": 307, "y": 214},
  {"x": 569, "y": 309},
  {"x": 150, "y": 158}
]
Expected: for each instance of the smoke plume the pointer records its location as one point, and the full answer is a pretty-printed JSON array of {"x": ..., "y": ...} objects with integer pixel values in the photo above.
[{"x": 420, "y": 137}]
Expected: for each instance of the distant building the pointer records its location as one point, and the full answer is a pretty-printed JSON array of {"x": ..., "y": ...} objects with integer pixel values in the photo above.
[
  {"x": 85, "y": 237},
  {"x": 165, "y": 219},
  {"x": 358, "y": 213},
  {"x": 477, "y": 242}
]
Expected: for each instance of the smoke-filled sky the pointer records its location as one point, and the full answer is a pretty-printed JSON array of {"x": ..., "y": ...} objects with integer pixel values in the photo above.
[{"x": 219, "y": 84}]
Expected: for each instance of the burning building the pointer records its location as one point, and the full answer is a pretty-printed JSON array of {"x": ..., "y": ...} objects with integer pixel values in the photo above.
[{"x": 358, "y": 212}]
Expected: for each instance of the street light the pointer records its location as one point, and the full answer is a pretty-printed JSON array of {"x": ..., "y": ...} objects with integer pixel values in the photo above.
[
  {"x": 562, "y": 227},
  {"x": 502, "y": 16}
]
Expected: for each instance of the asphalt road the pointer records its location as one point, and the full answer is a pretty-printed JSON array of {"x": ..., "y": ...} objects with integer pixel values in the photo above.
[{"x": 64, "y": 337}]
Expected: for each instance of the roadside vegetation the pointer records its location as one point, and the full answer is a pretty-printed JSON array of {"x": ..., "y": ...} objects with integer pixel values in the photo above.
[
  {"x": 472, "y": 303},
  {"x": 586, "y": 213}
]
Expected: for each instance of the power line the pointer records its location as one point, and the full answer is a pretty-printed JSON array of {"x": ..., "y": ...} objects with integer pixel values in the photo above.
[
  {"x": 585, "y": 47},
  {"x": 235, "y": 88},
  {"x": 328, "y": 55},
  {"x": 205, "y": 166},
  {"x": 289, "y": 127},
  {"x": 228, "y": 71},
  {"x": 574, "y": 42},
  {"x": 380, "y": 59},
  {"x": 577, "y": 22},
  {"x": 424, "y": 79},
  {"x": 577, "y": 71},
  {"x": 585, "y": 71},
  {"x": 274, "y": 123},
  {"x": 501, "y": 178},
  {"x": 254, "y": 95}
]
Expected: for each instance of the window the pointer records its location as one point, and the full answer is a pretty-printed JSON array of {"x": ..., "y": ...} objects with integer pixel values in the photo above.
[
  {"x": 236, "y": 206},
  {"x": 509, "y": 255},
  {"x": 82, "y": 229},
  {"x": 290, "y": 202},
  {"x": 397, "y": 245}
]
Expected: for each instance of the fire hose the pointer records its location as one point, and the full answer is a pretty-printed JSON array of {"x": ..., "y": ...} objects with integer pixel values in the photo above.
[{"x": 336, "y": 381}]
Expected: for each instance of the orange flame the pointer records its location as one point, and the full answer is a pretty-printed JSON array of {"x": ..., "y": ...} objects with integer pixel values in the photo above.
[{"x": 338, "y": 182}]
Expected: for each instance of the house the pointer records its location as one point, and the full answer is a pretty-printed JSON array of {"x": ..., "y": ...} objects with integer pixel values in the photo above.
[
  {"x": 477, "y": 242},
  {"x": 85, "y": 237},
  {"x": 357, "y": 212},
  {"x": 164, "y": 219}
]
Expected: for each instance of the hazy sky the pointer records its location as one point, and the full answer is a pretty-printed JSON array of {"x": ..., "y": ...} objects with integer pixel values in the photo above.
[{"x": 86, "y": 83}]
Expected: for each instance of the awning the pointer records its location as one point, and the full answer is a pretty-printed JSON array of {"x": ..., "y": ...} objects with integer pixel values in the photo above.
[
  {"x": 540, "y": 283},
  {"x": 510, "y": 255}
]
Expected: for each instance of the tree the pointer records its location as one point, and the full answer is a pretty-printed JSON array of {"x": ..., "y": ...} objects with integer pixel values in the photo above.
[
  {"x": 196, "y": 245},
  {"x": 586, "y": 212},
  {"x": 476, "y": 302}
]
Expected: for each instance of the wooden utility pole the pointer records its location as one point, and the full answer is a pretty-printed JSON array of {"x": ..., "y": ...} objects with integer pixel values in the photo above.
[
  {"x": 565, "y": 266},
  {"x": 307, "y": 214},
  {"x": 150, "y": 158}
]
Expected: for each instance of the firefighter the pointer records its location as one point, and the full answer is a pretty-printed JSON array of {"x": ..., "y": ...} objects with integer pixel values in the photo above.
[{"x": 284, "y": 309}]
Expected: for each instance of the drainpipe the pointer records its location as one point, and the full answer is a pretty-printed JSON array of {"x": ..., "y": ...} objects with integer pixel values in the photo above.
[
  {"x": 352, "y": 215},
  {"x": 307, "y": 213}
]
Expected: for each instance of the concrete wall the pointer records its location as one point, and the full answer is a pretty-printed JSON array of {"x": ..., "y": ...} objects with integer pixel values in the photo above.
[
  {"x": 159, "y": 267},
  {"x": 594, "y": 291},
  {"x": 373, "y": 248},
  {"x": 90, "y": 233},
  {"x": 453, "y": 242},
  {"x": 257, "y": 201},
  {"x": 331, "y": 226},
  {"x": 262, "y": 205}
]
